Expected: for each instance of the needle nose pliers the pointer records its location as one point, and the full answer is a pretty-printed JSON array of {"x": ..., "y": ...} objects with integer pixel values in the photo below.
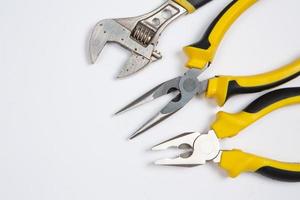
[
  {"x": 206, "y": 147},
  {"x": 221, "y": 88}
]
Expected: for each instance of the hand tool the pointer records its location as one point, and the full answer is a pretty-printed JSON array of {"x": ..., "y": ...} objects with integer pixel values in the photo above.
[
  {"x": 220, "y": 87},
  {"x": 201, "y": 148},
  {"x": 200, "y": 56},
  {"x": 139, "y": 34}
]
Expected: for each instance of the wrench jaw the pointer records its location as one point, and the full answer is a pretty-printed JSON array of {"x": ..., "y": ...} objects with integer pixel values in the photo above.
[
  {"x": 110, "y": 30},
  {"x": 98, "y": 40},
  {"x": 134, "y": 64},
  {"x": 201, "y": 148}
]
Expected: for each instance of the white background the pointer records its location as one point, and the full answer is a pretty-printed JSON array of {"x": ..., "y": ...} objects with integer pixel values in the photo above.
[{"x": 58, "y": 138}]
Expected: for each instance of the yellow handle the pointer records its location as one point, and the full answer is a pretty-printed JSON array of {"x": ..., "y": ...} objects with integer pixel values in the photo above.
[
  {"x": 236, "y": 162},
  {"x": 202, "y": 53},
  {"x": 192, "y": 5},
  {"x": 229, "y": 125},
  {"x": 223, "y": 87}
]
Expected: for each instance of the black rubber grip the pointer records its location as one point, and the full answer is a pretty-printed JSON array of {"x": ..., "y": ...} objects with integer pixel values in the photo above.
[
  {"x": 271, "y": 98},
  {"x": 198, "y": 3},
  {"x": 279, "y": 174},
  {"x": 234, "y": 88},
  {"x": 204, "y": 43}
]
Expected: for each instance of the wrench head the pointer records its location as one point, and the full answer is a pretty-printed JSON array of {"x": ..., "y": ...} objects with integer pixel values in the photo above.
[
  {"x": 120, "y": 31},
  {"x": 138, "y": 34}
]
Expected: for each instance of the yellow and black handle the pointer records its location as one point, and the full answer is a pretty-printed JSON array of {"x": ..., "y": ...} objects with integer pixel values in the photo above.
[
  {"x": 228, "y": 125},
  {"x": 223, "y": 87},
  {"x": 202, "y": 53},
  {"x": 236, "y": 162},
  {"x": 192, "y": 5}
]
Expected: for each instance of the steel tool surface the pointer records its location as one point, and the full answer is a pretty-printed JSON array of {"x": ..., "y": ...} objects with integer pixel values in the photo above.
[{"x": 139, "y": 34}]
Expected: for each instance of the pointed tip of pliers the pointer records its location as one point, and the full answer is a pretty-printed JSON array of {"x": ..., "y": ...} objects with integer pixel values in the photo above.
[
  {"x": 133, "y": 136},
  {"x": 149, "y": 96},
  {"x": 156, "y": 119},
  {"x": 118, "y": 112},
  {"x": 140, "y": 131},
  {"x": 163, "y": 162},
  {"x": 157, "y": 148},
  {"x": 140, "y": 101},
  {"x": 124, "y": 109}
]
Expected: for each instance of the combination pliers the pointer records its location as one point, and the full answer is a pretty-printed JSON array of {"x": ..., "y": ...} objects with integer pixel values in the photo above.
[
  {"x": 203, "y": 147},
  {"x": 221, "y": 88},
  {"x": 139, "y": 34}
]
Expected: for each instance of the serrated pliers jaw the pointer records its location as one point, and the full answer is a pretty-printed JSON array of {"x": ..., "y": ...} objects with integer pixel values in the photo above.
[{"x": 200, "y": 148}]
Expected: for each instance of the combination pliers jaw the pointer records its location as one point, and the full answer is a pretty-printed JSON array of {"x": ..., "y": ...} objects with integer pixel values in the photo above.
[
  {"x": 140, "y": 34},
  {"x": 201, "y": 148}
]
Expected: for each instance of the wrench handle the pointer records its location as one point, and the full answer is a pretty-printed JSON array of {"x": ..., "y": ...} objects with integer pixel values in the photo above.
[{"x": 192, "y": 5}]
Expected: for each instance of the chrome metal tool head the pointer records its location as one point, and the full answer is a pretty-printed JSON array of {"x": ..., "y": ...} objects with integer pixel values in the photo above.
[
  {"x": 200, "y": 148},
  {"x": 184, "y": 87},
  {"x": 138, "y": 34}
]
